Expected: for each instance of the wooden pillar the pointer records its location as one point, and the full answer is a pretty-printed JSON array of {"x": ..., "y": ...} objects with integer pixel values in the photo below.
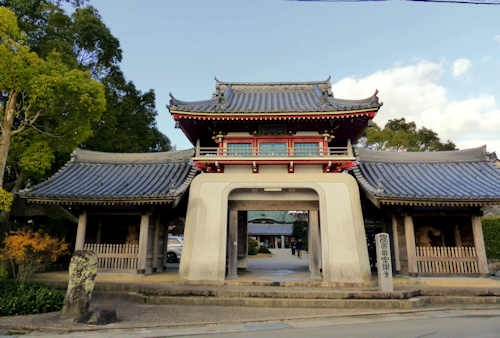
[
  {"x": 99, "y": 232},
  {"x": 242, "y": 239},
  {"x": 156, "y": 242},
  {"x": 165, "y": 247},
  {"x": 143, "y": 242},
  {"x": 81, "y": 230},
  {"x": 258, "y": 241},
  {"x": 458, "y": 237},
  {"x": 477, "y": 230},
  {"x": 314, "y": 245},
  {"x": 395, "y": 238},
  {"x": 232, "y": 244},
  {"x": 410, "y": 245}
]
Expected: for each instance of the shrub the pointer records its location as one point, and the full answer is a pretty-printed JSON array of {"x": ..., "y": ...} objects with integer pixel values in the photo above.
[
  {"x": 27, "y": 251},
  {"x": 252, "y": 246},
  {"x": 264, "y": 250},
  {"x": 491, "y": 233},
  {"x": 3, "y": 272},
  {"x": 28, "y": 298}
]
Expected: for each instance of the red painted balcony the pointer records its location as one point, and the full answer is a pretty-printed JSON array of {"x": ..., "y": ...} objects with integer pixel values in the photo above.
[{"x": 331, "y": 157}]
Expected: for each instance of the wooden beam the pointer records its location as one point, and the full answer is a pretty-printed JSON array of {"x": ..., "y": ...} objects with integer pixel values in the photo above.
[
  {"x": 156, "y": 243},
  {"x": 477, "y": 230},
  {"x": 410, "y": 245},
  {"x": 274, "y": 205},
  {"x": 395, "y": 238},
  {"x": 80, "y": 232},
  {"x": 143, "y": 242}
]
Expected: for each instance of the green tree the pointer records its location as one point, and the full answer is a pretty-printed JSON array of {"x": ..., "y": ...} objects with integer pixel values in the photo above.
[
  {"x": 399, "y": 135},
  {"x": 83, "y": 42},
  {"x": 129, "y": 123},
  {"x": 41, "y": 97}
]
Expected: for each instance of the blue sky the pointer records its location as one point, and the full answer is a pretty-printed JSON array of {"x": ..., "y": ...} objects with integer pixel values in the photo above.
[{"x": 435, "y": 64}]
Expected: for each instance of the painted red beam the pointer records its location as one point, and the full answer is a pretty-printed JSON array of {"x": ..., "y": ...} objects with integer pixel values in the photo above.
[{"x": 177, "y": 116}]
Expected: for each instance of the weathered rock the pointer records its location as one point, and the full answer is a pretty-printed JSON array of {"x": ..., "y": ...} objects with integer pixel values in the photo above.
[
  {"x": 82, "y": 274},
  {"x": 102, "y": 317}
]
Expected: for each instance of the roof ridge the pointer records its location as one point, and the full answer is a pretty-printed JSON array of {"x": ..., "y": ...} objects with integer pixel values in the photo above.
[
  {"x": 271, "y": 83},
  {"x": 90, "y": 156},
  {"x": 477, "y": 154}
]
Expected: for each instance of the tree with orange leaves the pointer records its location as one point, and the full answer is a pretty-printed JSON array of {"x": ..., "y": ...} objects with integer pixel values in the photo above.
[{"x": 28, "y": 251}]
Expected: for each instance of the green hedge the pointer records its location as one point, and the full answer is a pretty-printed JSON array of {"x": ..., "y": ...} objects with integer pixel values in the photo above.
[
  {"x": 264, "y": 250},
  {"x": 252, "y": 247},
  {"x": 491, "y": 233},
  {"x": 28, "y": 298}
]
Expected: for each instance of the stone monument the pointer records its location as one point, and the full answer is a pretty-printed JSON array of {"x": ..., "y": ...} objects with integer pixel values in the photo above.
[
  {"x": 384, "y": 266},
  {"x": 82, "y": 275}
]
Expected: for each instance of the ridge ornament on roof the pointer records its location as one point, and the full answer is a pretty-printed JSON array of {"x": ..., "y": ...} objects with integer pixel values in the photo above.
[
  {"x": 273, "y": 97},
  {"x": 444, "y": 178}
]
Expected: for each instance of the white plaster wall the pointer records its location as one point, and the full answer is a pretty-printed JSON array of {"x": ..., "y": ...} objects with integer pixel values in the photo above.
[{"x": 344, "y": 249}]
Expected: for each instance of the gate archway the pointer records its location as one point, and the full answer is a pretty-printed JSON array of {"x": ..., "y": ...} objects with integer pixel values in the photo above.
[{"x": 247, "y": 199}]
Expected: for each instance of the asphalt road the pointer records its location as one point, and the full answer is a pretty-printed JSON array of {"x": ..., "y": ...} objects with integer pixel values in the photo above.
[{"x": 453, "y": 325}]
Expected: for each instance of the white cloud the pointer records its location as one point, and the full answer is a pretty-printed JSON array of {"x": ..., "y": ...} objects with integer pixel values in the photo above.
[
  {"x": 415, "y": 92},
  {"x": 497, "y": 38},
  {"x": 461, "y": 66}
]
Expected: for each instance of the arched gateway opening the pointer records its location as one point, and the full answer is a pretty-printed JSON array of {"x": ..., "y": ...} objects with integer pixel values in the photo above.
[{"x": 243, "y": 200}]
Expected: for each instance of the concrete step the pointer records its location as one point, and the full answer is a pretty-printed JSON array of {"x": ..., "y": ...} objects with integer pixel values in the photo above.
[
  {"x": 411, "y": 303},
  {"x": 278, "y": 293}
]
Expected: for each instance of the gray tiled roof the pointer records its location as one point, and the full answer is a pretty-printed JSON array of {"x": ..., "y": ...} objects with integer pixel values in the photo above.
[
  {"x": 262, "y": 97},
  {"x": 449, "y": 176},
  {"x": 269, "y": 229},
  {"x": 103, "y": 178}
]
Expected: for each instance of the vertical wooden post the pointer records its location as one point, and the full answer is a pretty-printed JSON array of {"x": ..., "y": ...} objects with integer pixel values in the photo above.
[
  {"x": 410, "y": 245},
  {"x": 477, "y": 230},
  {"x": 349, "y": 148},
  {"x": 165, "y": 247},
  {"x": 197, "y": 147},
  {"x": 314, "y": 245},
  {"x": 395, "y": 237},
  {"x": 143, "y": 242},
  {"x": 156, "y": 243},
  {"x": 80, "y": 232},
  {"x": 99, "y": 232},
  {"x": 458, "y": 237},
  {"x": 232, "y": 244}
]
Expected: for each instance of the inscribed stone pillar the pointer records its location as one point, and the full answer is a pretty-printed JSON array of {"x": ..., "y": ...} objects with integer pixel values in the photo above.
[
  {"x": 80, "y": 232},
  {"x": 410, "y": 245},
  {"x": 232, "y": 244},
  {"x": 81, "y": 282},
  {"x": 314, "y": 245},
  {"x": 282, "y": 241},
  {"x": 143, "y": 243},
  {"x": 395, "y": 237},
  {"x": 477, "y": 230},
  {"x": 384, "y": 268}
]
